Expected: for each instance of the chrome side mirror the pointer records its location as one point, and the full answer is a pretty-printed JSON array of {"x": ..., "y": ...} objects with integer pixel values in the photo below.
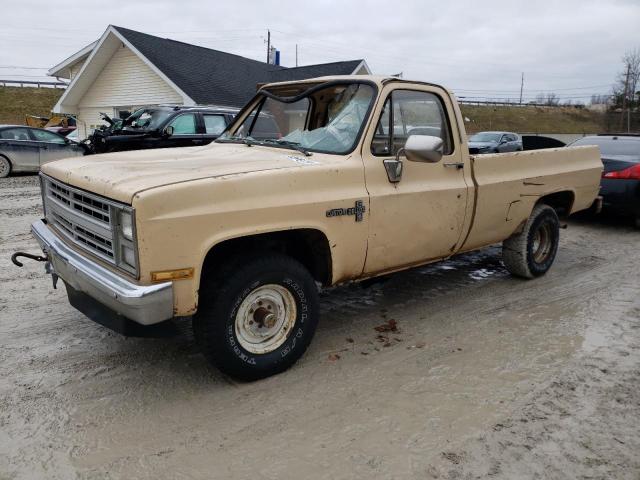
[
  {"x": 424, "y": 148},
  {"x": 418, "y": 148}
]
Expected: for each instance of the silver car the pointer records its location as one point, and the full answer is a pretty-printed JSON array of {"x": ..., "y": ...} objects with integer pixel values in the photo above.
[
  {"x": 495, "y": 142},
  {"x": 24, "y": 149}
]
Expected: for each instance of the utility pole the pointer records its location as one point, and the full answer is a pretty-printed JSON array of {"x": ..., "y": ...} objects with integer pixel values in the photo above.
[
  {"x": 268, "y": 44},
  {"x": 624, "y": 99},
  {"x": 296, "y": 54},
  {"x": 521, "y": 87}
]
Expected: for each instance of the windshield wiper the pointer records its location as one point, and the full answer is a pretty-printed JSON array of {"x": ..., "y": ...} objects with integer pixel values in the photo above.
[{"x": 293, "y": 145}]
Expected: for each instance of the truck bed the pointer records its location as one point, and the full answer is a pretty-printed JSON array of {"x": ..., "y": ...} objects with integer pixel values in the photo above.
[{"x": 508, "y": 185}]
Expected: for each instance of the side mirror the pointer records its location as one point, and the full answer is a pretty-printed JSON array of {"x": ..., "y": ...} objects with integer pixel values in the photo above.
[
  {"x": 168, "y": 131},
  {"x": 418, "y": 148},
  {"x": 424, "y": 148},
  {"x": 503, "y": 141}
]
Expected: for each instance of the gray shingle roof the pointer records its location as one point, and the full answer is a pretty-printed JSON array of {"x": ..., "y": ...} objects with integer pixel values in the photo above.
[{"x": 212, "y": 77}]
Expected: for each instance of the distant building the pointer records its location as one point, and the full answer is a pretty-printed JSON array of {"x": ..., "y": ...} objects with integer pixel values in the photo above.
[{"x": 125, "y": 69}]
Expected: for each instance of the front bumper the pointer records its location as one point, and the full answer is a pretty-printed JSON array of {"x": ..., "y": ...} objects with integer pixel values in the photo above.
[{"x": 98, "y": 292}]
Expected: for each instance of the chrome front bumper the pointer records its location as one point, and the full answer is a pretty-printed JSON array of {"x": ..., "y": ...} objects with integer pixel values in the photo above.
[{"x": 145, "y": 305}]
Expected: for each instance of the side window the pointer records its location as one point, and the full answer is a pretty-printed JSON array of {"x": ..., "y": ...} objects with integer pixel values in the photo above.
[
  {"x": 44, "y": 136},
  {"x": 15, "y": 134},
  {"x": 184, "y": 124},
  {"x": 513, "y": 138},
  {"x": 411, "y": 113},
  {"x": 214, "y": 124}
]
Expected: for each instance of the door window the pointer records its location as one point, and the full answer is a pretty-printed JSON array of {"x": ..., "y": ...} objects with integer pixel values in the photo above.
[
  {"x": 214, "y": 124},
  {"x": 411, "y": 113},
  {"x": 184, "y": 124},
  {"x": 15, "y": 134},
  {"x": 50, "y": 137}
]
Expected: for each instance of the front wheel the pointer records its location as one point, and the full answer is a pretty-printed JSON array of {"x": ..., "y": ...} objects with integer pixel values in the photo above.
[
  {"x": 257, "y": 319},
  {"x": 531, "y": 252}
]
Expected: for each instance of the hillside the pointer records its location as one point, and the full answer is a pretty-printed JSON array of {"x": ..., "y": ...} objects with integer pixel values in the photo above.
[
  {"x": 16, "y": 102},
  {"x": 533, "y": 119}
]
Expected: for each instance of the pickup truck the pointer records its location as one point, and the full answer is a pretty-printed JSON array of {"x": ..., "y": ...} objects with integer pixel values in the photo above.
[{"x": 367, "y": 176}]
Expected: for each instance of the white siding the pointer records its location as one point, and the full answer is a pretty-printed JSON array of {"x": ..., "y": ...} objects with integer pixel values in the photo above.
[
  {"x": 74, "y": 69},
  {"x": 127, "y": 80}
]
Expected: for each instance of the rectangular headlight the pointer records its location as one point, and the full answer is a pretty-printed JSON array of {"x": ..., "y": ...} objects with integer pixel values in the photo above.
[{"x": 126, "y": 224}]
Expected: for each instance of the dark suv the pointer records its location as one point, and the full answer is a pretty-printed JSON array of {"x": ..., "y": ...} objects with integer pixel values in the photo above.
[{"x": 161, "y": 127}]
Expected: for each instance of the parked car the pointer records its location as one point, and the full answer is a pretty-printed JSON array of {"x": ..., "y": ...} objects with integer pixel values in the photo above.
[
  {"x": 161, "y": 127},
  {"x": 495, "y": 142},
  {"x": 238, "y": 236},
  {"x": 25, "y": 149},
  {"x": 620, "y": 183}
]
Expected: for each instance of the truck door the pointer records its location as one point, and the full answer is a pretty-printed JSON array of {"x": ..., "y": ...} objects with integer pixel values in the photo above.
[{"x": 421, "y": 217}]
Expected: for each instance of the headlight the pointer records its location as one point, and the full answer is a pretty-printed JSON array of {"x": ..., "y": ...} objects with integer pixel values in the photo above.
[
  {"x": 126, "y": 224},
  {"x": 129, "y": 256},
  {"x": 126, "y": 242}
]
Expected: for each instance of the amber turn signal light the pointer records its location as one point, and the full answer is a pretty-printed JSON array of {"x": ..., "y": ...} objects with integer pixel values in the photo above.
[{"x": 180, "y": 274}]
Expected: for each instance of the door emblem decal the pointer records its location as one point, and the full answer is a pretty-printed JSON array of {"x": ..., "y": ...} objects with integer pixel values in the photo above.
[{"x": 358, "y": 210}]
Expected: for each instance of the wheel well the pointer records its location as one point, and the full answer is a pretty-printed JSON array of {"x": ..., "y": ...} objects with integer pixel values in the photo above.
[
  {"x": 561, "y": 202},
  {"x": 308, "y": 246}
]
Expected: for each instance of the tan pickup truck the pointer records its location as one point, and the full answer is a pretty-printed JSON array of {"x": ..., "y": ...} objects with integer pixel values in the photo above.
[{"x": 366, "y": 176}]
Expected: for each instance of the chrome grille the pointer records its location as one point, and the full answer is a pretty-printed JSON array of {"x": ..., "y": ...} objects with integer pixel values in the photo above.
[{"x": 83, "y": 218}]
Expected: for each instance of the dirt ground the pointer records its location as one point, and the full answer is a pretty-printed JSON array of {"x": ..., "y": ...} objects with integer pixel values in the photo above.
[{"x": 487, "y": 376}]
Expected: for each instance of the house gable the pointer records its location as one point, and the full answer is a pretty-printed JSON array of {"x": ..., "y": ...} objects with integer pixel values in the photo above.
[{"x": 127, "y": 80}]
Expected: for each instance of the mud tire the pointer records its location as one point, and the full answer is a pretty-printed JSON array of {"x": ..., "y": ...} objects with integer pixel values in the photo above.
[
  {"x": 221, "y": 301},
  {"x": 5, "y": 167},
  {"x": 521, "y": 253}
]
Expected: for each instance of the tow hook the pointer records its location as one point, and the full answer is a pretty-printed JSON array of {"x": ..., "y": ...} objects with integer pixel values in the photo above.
[
  {"x": 48, "y": 267},
  {"x": 37, "y": 258}
]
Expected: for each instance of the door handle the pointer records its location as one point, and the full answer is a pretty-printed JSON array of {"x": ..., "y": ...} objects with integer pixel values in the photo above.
[{"x": 456, "y": 165}]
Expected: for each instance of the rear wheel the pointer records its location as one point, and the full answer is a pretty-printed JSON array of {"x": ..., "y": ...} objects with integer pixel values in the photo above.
[
  {"x": 531, "y": 253},
  {"x": 257, "y": 318},
  {"x": 5, "y": 167}
]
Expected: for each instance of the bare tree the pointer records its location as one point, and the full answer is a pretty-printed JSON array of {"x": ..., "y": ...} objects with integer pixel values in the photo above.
[
  {"x": 552, "y": 99},
  {"x": 628, "y": 87}
]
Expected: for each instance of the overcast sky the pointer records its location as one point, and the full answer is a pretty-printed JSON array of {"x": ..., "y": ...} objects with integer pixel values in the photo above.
[{"x": 478, "y": 48}]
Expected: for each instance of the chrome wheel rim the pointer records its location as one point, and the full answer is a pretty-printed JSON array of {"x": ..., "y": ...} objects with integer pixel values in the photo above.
[
  {"x": 542, "y": 243},
  {"x": 265, "y": 319}
]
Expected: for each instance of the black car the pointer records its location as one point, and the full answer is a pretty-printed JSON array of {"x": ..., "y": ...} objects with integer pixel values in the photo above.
[
  {"x": 620, "y": 184},
  {"x": 161, "y": 127}
]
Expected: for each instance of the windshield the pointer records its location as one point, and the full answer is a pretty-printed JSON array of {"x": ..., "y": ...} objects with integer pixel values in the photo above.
[
  {"x": 320, "y": 119},
  {"x": 485, "y": 137},
  {"x": 609, "y": 146},
  {"x": 146, "y": 119}
]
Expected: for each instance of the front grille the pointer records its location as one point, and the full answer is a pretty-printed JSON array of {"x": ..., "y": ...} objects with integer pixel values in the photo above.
[{"x": 85, "y": 219}]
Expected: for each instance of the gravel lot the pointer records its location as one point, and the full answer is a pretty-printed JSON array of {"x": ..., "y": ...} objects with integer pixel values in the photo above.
[{"x": 487, "y": 376}]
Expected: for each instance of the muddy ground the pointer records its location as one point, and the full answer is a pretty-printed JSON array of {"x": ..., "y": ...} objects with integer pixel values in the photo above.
[{"x": 487, "y": 376}]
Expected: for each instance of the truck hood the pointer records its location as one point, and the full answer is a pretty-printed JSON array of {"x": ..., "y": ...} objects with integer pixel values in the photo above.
[{"x": 121, "y": 175}]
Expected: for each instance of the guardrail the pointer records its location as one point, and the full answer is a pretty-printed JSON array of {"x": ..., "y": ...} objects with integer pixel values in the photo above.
[{"x": 30, "y": 83}]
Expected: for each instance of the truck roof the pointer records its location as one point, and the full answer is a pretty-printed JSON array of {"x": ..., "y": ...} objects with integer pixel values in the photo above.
[{"x": 379, "y": 80}]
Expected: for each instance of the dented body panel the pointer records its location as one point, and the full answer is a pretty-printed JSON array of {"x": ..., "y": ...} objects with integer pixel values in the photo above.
[{"x": 188, "y": 201}]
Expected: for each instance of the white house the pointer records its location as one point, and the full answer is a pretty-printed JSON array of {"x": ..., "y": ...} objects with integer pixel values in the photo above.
[{"x": 126, "y": 69}]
